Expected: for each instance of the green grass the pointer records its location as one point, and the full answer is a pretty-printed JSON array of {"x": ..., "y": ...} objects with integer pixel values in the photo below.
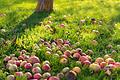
[{"x": 21, "y": 12}]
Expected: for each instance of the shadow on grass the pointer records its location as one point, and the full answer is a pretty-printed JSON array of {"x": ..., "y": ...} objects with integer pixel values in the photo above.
[{"x": 29, "y": 23}]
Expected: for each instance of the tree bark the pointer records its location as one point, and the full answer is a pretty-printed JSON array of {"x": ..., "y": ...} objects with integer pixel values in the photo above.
[{"x": 44, "y": 5}]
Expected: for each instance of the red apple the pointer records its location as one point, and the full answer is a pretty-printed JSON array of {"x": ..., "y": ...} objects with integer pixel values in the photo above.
[
  {"x": 46, "y": 67},
  {"x": 83, "y": 58},
  {"x": 64, "y": 56},
  {"x": 62, "y": 25},
  {"x": 33, "y": 60},
  {"x": 117, "y": 64},
  {"x": 103, "y": 64},
  {"x": 87, "y": 63},
  {"x": 76, "y": 56},
  {"x": 17, "y": 63},
  {"x": 37, "y": 76},
  {"x": 28, "y": 66},
  {"x": 67, "y": 53},
  {"x": 21, "y": 58},
  {"x": 28, "y": 75}
]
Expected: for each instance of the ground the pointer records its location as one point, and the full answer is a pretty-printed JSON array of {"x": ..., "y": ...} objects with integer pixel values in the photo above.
[{"x": 22, "y": 28}]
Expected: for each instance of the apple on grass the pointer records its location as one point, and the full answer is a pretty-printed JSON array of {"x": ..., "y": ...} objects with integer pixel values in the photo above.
[
  {"x": 28, "y": 66},
  {"x": 46, "y": 67},
  {"x": 10, "y": 77},
  {"x": 37, "y": 76}
]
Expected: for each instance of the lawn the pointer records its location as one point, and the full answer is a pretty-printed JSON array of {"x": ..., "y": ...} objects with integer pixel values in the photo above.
[{"x": 87, "y": 24}]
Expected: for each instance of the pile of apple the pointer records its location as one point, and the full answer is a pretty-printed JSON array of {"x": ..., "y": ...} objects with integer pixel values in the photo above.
[
  {"x": 35, "y": 69},
  {"x": 31, "y": 67}
]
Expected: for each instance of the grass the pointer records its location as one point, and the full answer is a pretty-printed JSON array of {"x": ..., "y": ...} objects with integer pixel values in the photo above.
[{"x": 23, "y": 28}]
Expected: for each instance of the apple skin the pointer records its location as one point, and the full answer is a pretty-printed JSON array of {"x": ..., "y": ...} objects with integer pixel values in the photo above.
[
  {"x": 83, "y": 58},
  {"x": 63, "y": 61},
  {"x": 10, "y": 77},
  {"x": 36, "y": 65},
  {"x": 65, "y": 70},
  {"x": 17, "y": 63},
  {"x": 76, "y": 56},
  {"x": 18, "y": 73},
  {"x": 103, "y": 64},
  {"x": 28, "y": 66},
  {"x": 64, "y": 56},
  {"x": 23, "y": 63},
  {"x": 28, "y": 75},
  {"x": 13, "y": 67},
  {"x": 60, "y": 75},
  {"x": 53, "y": 78},
  {"x": 87, "y": 63},
  {"x": 46, "y": 75},
  {"x": 46, "y": 67},
  {"x": 99, "y": 60},
  {"x": 67, "y": 53},
  {"x": 95, "y": 67},
  {"x": 33, "y": 60},
  {"x": 107, "y": 56},
  {"x": 110, "y": 60},
  {"x": 36, "y": 70},
  {"x": 37, "y": 76},
  {"x": 77, "y": 70},
  {"x": 7, "y": 58},
  {"x": 117, "y": 64}
]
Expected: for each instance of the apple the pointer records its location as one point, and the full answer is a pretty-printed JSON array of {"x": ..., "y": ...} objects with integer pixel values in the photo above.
[
  {"x": 28, "y": 66},
  {"x": 66, "y": 42},
  {"x": 47, "y": 52},
  {"x": 33, "y": 60},
  {"x": 28, "y": 75},
  {"x": 36, "y": 65},
  {"x": 46, "y": 62},
  {"x": 83, "y": 58},
  {"x": 10, "y": 77},
  {"x": 67, "y": 53},
  {"x": 60, "y": 75},
  {"x": 63, "y": 61},
  {"x": 71, "y": 75},
  {"x": 12, "y": 61},
  {"x": 78, "y": 50},
  {"x": 13, "y": 67},
  {"x": 59, "y": 41},
  {"x": 103, "y": 64},
  {"x": 99, "y": 60},
  {"x": 110, "y": 60},
  {"x": 87, "y": 63},
  {"x": 18, "y": 73},
  {"x": 64, "y": 56},
  {"x": 109, "y": 46},
  {"x": 107, "y": 56},
  {"x": 94, "y": 42},
  {"x": 76, "y": 69},
  {"x": 36, "y": 70},
  {"x": 21, "y": 58},
  {"x": 95, "y": 67},
  {"x": 62, "y": 25},
  {"x": 53, "y": 78},
  {"x": 76, "y": 56},
  {"x": 46, "y": 67},
  {"x": 46, "y": 75},
  {"x": 23, "y": 63},
  {"x": 8, "y": 65},
  {"x": 65, "y": 70},
  {"x": 90, "y": 52},
  {"x": 117, "y": 64},
  {"x": 17, "y": 63},
  {"x": 37, "y": 76},
  {"x": 7, "y": 58}
]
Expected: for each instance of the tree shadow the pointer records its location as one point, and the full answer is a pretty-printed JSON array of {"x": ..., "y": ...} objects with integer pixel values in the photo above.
[{"x": 29, "y": 23}]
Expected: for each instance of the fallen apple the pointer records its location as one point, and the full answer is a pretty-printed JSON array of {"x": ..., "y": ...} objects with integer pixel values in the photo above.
[
  {"x": 46, "y": 75},
  {"x": 37, "y": 76},
  {"x": 99, "y": 60},
  {"x": 10, "y": 77},
  {"x": 63, "y": 61},
  {"x": 77, "y": 70},
  {"x": 28, "y": 75},
  {"x": 46, "y": 67},
  {"x": 28, "y": 66},
  {"x": 36, "y": 70},
  {"x": 95, "y": 67}
]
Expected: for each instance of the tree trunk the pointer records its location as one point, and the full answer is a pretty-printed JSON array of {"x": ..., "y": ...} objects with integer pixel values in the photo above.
[{"x": 44, "y": 5}]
